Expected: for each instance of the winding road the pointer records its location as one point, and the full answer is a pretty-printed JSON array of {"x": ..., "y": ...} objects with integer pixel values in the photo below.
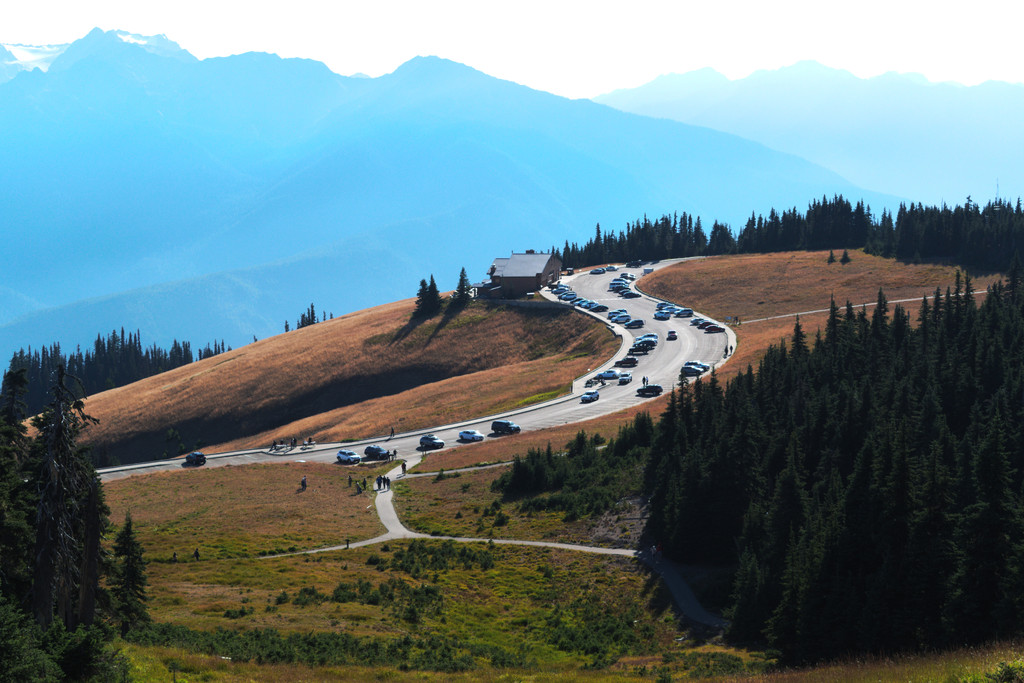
[{"x": 660, "y": 366}]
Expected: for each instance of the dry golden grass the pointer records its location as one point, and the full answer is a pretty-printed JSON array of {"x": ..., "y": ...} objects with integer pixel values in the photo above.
[
  {"x": 243, "y": 511},
  {"x": 352, "y": 377},
  {"x": 757, "y": 287}
]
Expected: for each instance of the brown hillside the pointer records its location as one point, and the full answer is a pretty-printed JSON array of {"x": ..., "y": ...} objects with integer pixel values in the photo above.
[
  {"x": 352, "y": 377},
  {"x": 758, "y": 287}
]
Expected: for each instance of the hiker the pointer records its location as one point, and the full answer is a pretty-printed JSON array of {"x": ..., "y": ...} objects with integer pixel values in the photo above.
[
  {"x": 174, "y": 557},
  {"x": 358, "y": 490},
  {"x": 196, "y": 554},
  {"x": 302, "y": 485},
  {"x": 346, "y": 544},
  {"x": 379, "y": 477},
  {"x": 392, "y": 433},
  {"x": 350, "y": 481},
  {"x": 403, "y": 467}
]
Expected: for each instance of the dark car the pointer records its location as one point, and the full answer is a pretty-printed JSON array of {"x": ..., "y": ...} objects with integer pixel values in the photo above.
[
  {"x": 375, "y": 452},
  {"x": 630, "y": 294},
  {"x": 429, "y": 442},
  {"x": 599, "y": 308},
  {"x": 195, "y": 459},
  {"x": 714, "y": 328},
  {"x": 634, "y": 324},
  {"x": 627, "y": 362},
  {"x": 634, "y": 264},
  {"x": 505, "y": 427},
  {"x": 649, "y": 390}
]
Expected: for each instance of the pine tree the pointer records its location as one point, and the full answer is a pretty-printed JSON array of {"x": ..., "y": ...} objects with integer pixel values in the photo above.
[
  {"x": 129, "y": 585},
  {"x": 463, "y": 291},
  {"x": 845, "y": 258}
]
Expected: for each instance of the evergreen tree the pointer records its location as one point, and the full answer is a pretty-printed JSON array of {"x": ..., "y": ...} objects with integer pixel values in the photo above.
[
  {"x": 845, "y": 258},
  {"x": 128, "y": 587},
  {"x": 463, "y": 291}
]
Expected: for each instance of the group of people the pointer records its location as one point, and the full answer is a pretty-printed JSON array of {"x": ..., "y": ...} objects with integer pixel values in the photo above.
[
  {"x": 195, "y": 554},
  {"x": 645, "y": 380},
  {"x": 286, "y": 443},
  {"x": 383, "y": 483}
]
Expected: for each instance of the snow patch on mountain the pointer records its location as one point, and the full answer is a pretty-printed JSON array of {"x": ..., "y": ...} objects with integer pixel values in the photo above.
[{"x": 28, "y": 57}]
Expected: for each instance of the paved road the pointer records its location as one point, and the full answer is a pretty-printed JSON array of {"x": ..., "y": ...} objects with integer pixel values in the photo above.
[{"x": 661, "y": 366}]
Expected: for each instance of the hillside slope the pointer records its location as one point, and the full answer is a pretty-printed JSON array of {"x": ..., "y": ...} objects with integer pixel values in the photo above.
[{"x": 349, "y": 378}]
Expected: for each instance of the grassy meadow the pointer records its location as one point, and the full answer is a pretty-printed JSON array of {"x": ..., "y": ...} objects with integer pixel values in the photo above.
[{"x": 497, "y": 612}]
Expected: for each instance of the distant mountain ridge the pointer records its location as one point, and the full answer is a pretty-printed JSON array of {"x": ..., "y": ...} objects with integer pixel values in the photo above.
[
  {"x": 900, "y": 133},
  {"x": 201, "y": 199}
]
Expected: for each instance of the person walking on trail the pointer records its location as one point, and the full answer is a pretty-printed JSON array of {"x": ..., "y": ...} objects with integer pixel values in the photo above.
[
  {"x": 302, "y": 484},
  {"x": 403, "y": 467},
  {"x": 195, "y": 554},
  {"x": 392, "y": 433}
]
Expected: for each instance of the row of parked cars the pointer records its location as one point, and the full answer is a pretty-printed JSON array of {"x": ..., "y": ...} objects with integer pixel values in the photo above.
[{"x": 428, "y": 442}]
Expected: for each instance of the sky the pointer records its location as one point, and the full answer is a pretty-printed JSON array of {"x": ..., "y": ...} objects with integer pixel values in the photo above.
[{"x": 570, "y": 48}]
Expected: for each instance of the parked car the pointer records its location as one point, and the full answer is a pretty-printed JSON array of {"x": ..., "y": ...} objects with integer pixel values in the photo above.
[
  {"x": 705, "y": 324},
  {"x": 714, "y": 328},
  {"x": 684, "y": 313},
  {"x": 375, "y": 452},
  {"x": 568, "y": 296},
  {"x": 662, "y": 315},
  {"x": 616, "y": 312},
  {"x": 626, "y": 378},
  {"x": 607, "y": 374},
  {"x": 346, "y": 457},
  {"x": 663, "y": 304},
  {"x": 634, "y": 324},
  {"x": 589, "y": 397},
  {"x": 195, "y": 459},
  {"x": 649, "y": 390},
  {"x": 597, "y": 271},
  {"x": 630, "y": 294},
  {"x": 627, "y": 362},
  {"x": 505, "y": 427},
  {"x": 599, "y": 308},
  {"x": 704, "y": 367},
  {"x": 697, "y": 321},
  {"x": 650, "y": 336},
  {"x": 611, "y": 268},
  {"x": 470, "y": 435},
  {"x": 430, "y": 442},
  {"x": 634, "y": 264},
  {"x": 621, "y": 318},
  {"x": 671, "y": 336},
  {"x": 691, "y": 371}
]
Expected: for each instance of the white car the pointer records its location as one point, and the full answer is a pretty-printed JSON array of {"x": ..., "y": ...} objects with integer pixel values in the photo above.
[
  {"x": 470, "y": 435},
  {"x": 346, "y": 457},
  {"x": 589, "y": 397},
  {"x": 607, "y": 374},
  {"x": 625, "y": 377}
]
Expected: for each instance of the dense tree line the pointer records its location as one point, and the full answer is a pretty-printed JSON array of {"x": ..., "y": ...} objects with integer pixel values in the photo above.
[
  {"x": 56, "y": 617},
  {"x": 984, "y": 238},
  {"x": 114, "y": 361},
  {"x": 867, "y": 484}
]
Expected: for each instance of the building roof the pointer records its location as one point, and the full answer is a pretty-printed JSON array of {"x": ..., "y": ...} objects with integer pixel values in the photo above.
[
  {"x": 498, "y": 267},
  {"x": 523, "y": 265}
]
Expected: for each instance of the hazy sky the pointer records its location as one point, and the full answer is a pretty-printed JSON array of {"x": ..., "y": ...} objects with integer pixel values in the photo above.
[{"x": 576, "y": 49}]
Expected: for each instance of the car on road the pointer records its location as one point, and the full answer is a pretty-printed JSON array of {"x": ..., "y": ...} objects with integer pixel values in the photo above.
[
  {"x": 684, "y": 313},
  {"x": 714, "y": 328},
  {"x": 697, "y": 321},
  {"x": 627, "y": 362},
  {"x": 634, "y": 264},
  {"x": 621, "y": 318},
  {"x": 347, "y": 457},
  {"x": 705, "y": 324},
  {"x": 634, "y": 324},
  {"x": 430, "y": 442},
  {"x": 671, "y": 336},
  {"x": 470, "y": 435},
  {"x": 599, "y": 308},
  {"x": 616, "y": 312},
  {"x": 650, "y": 336},
  {"x": 664, "y": 304},
  {"x": 597, "y": 271},
  {"x": 607, "y": 374},
  {"x": 662, "y": 315},
  {"x": 195, "y": 459},
  {"x": 691, "y": 371},
  {"x": 703, "y": 367},
  {"x": 375, "y": 452},
  {"x": 505, "y": 427},
  {"x": 630, "y": 294},
  {"x": 626, "y": 378},
  {"x": 628, "y": 276},
  {"x": 568, "y": 296},
  {"x": 611, "y": 268},
  {"x": 589, "y": 397},
  {"x": 644, "y": 345},
  {"x": 649, "y": 390}
]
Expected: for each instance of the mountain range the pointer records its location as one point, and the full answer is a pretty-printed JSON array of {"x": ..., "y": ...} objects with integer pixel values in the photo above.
[
  {"x": 216, "y": 198},
  {"x": 897, "y": 133}
]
